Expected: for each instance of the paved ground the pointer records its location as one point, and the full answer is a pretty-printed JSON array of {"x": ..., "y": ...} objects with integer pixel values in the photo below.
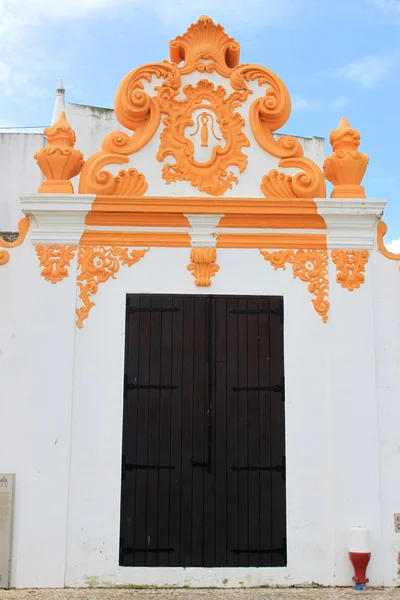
[{"x": 202, "y": 594}]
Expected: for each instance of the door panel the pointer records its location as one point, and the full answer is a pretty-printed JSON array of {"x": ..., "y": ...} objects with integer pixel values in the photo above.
[{"x": 203, "y": 471}]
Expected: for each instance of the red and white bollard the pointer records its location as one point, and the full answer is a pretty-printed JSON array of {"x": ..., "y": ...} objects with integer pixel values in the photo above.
[{"x": 359, "y": 554}]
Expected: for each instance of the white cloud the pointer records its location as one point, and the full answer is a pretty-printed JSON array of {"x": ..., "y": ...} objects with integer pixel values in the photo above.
[
  {"x": 394, "y": 246},
  {"x": 367, "y": 71},
  {"x": 304, "y": 103},
  {"x": 299, "y": 103},
  {"x": 390, "y": 8}
]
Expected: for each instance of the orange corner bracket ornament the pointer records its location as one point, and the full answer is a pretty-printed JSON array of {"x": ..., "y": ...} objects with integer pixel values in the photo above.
[
  {"x": 59, "y": 161},
  {"x": 96, "y": 265},
  {"x": 310, "y": 266},
  {"x": 346, "y": 167},
  {"x": 202, "y": 265}
]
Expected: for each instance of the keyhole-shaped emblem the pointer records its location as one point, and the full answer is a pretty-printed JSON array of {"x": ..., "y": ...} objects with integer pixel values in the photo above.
[{"x": 203, "y": 120}]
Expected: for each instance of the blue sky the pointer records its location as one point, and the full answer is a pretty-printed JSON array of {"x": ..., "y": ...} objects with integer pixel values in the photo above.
[{"x": 337, "y": 57}]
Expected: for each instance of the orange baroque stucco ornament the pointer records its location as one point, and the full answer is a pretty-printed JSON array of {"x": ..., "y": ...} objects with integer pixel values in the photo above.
[
  {"x": 203, "y": 127},
  {"x": 140, "y": 113},
  {"x": 309, "y": 183},
  {"x": 268, "y": 114},
  {"x": 212, "y": 108},
  {"x": 59, "y": 161},
  {"x": 55, "y": 260},
  {"x": 202, "y": 265},
  {"x": 350, "y": 265},
  {"x": 310, "y": 266},
  {"x": 345, "y": 168},
  {"x": 23, "y": 227},
  {"x": 96, "y": 265},
  {"x": 205, "y": 47}
]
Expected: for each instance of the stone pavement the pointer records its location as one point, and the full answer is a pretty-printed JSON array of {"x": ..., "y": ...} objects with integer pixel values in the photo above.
[{"x": 202, "y": 594}]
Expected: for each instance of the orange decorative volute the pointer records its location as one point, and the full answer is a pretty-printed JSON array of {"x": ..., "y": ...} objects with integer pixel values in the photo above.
[
  {"x": 345, "y": 168},
  {"x": 23, "y": 227},
  {"x": 202, "y": 265},
  {"x": 59, "y": 161}
]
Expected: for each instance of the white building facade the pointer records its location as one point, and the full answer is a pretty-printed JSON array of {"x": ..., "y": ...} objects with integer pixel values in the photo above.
[{"x": 199, "y": 359}]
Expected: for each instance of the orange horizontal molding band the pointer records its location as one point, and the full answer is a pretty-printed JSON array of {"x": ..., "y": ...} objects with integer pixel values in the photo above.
[
  {"x": 272, "y": 240},
  {"x": 204, "y": 205},
  {"x": 135, "y": 238},
  {"x": 303, "y": 221},
  {"x": 119, "y": 219}
]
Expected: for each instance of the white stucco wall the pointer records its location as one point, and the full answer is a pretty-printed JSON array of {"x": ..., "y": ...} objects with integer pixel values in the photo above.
[
  {"x": 62, "y": 392},
  {"x": 342, "y": 382}
]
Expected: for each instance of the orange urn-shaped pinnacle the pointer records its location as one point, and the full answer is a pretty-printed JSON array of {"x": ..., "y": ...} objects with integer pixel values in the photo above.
[
  {"x": 345, "y": 168},
  {"x": 59, "y": 161}
]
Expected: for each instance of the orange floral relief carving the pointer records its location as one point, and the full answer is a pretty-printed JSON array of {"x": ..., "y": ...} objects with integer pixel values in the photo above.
[
  {"x": 310, "y": 266},
  {"x": 55, "y": 260},
  {"x": 23, "y": 227},
  {"x": 210, "y": 176},
  {"x": 350, "y": 265},
  {"x": 96, "y": 265},
  {"x": 202, "y": 265}
]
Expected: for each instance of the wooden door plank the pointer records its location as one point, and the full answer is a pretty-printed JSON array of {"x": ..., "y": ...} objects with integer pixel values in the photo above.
[
  {"x": 167, "y": 400},
  {"x": 200, "y": 471},
  {"x": 221, "y": 457},
  {"x": 176, "y": 432}
]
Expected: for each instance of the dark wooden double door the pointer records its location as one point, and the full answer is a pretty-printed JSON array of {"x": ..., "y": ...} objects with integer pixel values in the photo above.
[{"x": 203, "y": 458}]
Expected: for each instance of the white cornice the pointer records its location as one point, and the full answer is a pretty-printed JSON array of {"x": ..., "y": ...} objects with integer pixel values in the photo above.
[
  {"x": 56, "y": 218},
  {"x": 351, "y": 223}
]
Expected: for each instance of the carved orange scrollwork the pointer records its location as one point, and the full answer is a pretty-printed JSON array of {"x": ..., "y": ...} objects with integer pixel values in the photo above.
[
  {"x": 310, "y": 266},
  {"x": 210, "y": 176},
  {"x": 203, "y": 265},
  {"x": 96, "y": 265},
  {"x": 23, "y": 227},
  {"x": 55, "y": 260},
  {"x": 350, "y": 265},
  {"x": 140, "y": 113},
  {"x": 268, "y": 114},
  {"x": 307, "y": 184}
]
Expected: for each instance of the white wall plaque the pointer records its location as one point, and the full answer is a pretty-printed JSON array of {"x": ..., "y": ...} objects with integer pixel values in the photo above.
[{"x": 7, "y": 486}]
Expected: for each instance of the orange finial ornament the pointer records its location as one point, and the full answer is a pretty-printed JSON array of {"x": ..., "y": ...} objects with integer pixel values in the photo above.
[
  {"x": 345, "y": 168},
  {"x": 59, "y": 161}
]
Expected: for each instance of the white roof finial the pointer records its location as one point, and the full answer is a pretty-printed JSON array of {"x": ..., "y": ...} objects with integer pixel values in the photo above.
[{"x": 59, "y": 105}]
